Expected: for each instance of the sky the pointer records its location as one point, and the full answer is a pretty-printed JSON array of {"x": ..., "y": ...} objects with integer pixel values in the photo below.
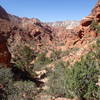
[{"x": 49, "y": 10}]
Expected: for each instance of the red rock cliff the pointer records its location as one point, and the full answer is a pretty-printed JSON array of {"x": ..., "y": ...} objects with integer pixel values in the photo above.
[{"x": 5, "y": 55}]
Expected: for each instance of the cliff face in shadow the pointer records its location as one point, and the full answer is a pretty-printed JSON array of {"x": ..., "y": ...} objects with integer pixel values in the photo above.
[
  {"x": 5, "y": 55},
  {"x": 3, "y": 14}
]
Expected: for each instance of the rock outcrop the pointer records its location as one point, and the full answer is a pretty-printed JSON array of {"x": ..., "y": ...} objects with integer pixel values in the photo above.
[
  {"x": 32, "y": 32},
  {"x": 86, "y": 21},
  {"x": 5, "y": 55},
  {"x": 3, "y": 14},
  {"x": 85, "y": 24}
]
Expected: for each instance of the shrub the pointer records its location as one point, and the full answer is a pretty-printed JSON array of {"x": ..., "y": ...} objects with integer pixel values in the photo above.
[
  {"x": 94, "y": 26},
  {"x": 97, "y": 50},
  {"x": 78, "y": 80},
  {"x": 15, "y": 90},
  {"x": 42, "y": 59},
  {"x": 57, "y": 79},
  {"x": 6, "y": 80},
  {"x": 23, "y": 58},
  {"x": 5, "y": 75},
  {"x": 81, "y": 79},
  {"x": 26, "y": 90},
  {"x": 56, "y": 55},
  {"x": 41, "y": 62},
  {"x": 69, "y": 51}
]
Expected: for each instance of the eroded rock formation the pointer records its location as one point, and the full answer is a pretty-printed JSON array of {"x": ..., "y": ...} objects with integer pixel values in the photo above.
[
  {"x": 85, "y": 24},
  {"x": 32, "y": 32},
  {"x": 5, "y": 55}
]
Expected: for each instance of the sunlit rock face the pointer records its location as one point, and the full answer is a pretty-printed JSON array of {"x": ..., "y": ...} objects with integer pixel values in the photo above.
[
  {"x": 94, "y": 15},
  {"x": 85, "y": 24},
  {"x": 32, "y": 31},
  {"x": 65, "y": 24}
]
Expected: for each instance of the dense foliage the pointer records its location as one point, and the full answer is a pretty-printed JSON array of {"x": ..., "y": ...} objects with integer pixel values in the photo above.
[
  {"x": 15, "y": 90},
  {"x": 94, "y": 26},
  {"x": 57, "y": 81},
  {"x": 80, "y": 79},
  {"x": 76, "y": 81},
  {"x": 23, "y": 58}
]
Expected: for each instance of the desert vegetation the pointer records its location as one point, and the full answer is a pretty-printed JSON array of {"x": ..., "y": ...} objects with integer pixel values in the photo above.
[
  {"x": 95, "y": 26},
  {"x": 41, "y": 62},
  {"x": 77, "y": 81},
  {"x": 69, "y": 81}
]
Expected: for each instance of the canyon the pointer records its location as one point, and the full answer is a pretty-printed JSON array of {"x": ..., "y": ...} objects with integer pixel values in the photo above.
[{"x": 71, "y": 39}]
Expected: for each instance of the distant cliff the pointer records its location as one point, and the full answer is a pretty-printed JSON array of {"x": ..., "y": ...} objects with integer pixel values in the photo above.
[{"x": 66, "y": 24}]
